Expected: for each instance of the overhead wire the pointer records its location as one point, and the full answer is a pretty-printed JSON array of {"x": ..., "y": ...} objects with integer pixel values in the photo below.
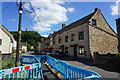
[{"x": 37, "y": 16}]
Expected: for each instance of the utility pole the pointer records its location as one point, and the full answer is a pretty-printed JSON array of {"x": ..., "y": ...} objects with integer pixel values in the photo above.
[
  {"x": 118, "y": 32},
  {"x": 17, "y": 63}
]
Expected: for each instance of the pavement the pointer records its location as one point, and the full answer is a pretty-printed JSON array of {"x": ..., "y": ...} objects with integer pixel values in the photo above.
[{"x": 86, "y": 64}]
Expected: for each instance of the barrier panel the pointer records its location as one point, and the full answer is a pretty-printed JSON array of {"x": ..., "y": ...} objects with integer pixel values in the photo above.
[
  {"x": 67, "y": 70},
  {"x": 32, "y": 71},
  {"x": 28, "y": 59},
  {"x": 72, "y": 72}
]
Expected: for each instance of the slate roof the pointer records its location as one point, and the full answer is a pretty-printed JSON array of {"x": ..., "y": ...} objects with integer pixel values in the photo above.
[{"x": 75, "y": 24}]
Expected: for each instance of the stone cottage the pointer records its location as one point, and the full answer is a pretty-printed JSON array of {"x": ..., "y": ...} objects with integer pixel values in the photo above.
[{"x": 90, "y": 34}]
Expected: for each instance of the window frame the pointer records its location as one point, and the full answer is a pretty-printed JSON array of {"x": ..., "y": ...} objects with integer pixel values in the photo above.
[
  {"x": 80, "y": 37},
  {"x": 59, "y": 40},
  {"x": 72, "y": 37},
  {"x": 94, "y": 22},
  {"x": 66, "y": 49},
  {"x": 66, "y": 38},
  {"x": 82, "y": 50},
  {"x": 0, "y": 41}
]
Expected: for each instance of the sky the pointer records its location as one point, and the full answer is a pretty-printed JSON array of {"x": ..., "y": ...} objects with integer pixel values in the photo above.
[{"x": 52, "y": 15}]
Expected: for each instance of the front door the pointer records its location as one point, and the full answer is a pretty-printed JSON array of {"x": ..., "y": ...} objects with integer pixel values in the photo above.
[
  {"x": 62, "y": 49},
  {"x": 75, "y": 51}
]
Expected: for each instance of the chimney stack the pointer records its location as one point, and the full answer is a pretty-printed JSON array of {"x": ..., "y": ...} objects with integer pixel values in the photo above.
[
  {"x": 54, "y": 31},
  {"x": 97, "y": 10},
  {"x": 118, "y": 32},
  {"x": 63, "y": 25},
  {"x": 26, "y": 29}
]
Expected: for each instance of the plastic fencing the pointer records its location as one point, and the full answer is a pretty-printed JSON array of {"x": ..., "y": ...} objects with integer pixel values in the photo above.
[
  {"x": 72, "y": 72},
  {"x": 28, "y": 72},
  {"x": 68, "y": 71},
  {"x": 32, "y": 71}
]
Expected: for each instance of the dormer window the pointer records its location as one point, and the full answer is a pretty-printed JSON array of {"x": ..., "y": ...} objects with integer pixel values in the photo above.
[{"x": 94, "y": 21}]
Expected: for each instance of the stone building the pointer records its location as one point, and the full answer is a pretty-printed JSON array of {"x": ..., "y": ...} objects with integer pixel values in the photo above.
[{"x": 85, "y": 36}]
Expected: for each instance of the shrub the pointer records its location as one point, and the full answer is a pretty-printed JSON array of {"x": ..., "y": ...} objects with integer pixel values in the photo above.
[
  {"x": 117, "y": 56},
  {"x": 23, "y": 51}
]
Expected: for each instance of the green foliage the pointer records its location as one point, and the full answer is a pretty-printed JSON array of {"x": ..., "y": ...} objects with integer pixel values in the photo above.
[
  {"x": 13, "y": 51},
  {"x": 23, "y": 51},
  {"x": 31, "y": 37},
  {"x": 8, "y": 63},
  {"x": 117, "y": 56}
]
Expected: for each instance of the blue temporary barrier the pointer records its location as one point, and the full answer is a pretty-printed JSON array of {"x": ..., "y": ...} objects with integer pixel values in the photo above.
[
  {"x": 32, "y": 71},
  {"x": 71, "y": 72},
  {"x": 67, "y": 70},
  {"x": 28, "y": 59}
]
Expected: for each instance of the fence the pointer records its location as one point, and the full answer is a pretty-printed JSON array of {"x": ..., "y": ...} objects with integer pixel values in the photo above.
[
  {"x": 68, "y": 71},
  {"x": 7, "y": 61},
  {"x": 22, "y": 72},
  {"x": 32, "y": 71}
]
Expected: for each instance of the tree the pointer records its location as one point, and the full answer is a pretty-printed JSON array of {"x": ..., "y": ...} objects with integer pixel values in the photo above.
[{"x": 31, "y": 37}]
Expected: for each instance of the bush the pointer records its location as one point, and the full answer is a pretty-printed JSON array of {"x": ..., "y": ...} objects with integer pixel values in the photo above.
[
  {"x": 23, "y": 51},
  {"x": 117, "y": 56}
]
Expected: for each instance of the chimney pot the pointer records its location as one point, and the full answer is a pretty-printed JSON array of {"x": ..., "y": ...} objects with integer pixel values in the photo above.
[
  {"x": 97, "y": 10},
  {"x": 54, "y": 31},
  {"x": 26, "y": 29},
  {"x": 63, "y": 26}
]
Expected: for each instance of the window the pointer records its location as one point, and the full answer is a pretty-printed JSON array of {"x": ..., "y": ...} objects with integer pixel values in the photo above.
[
  {"x": 59, "y": 40},
  {"x": 66, "y": 49},
  {"x": 72, "y": 37},
  {"x": 0, "y": 41},
  {"x": 59, "y": 35},
  {"x": 81, "y": 50},
  {"x": 81, "y": 35},
  {"x": 53, "y": 42},
  {"x": 51, "y": 38},
  {"x": 66, "y": 38},
  {"x": 94, "y": 21}
]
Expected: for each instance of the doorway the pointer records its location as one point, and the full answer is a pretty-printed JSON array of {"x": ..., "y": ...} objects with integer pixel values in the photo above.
[{"x": 75, "y": 51}]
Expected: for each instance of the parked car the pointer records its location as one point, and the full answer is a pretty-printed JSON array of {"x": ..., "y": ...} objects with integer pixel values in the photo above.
[
  {"x": 43, "y": 52},
  {"x": 55, "y": 53},
  {"x": 48, "y": 53}
]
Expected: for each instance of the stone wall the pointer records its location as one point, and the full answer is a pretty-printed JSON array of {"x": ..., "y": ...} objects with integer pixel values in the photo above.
[
  {"x": 75, "y": 31},
  {"x": 106, "y": 60},
  {"x": 102, "y": 38}
]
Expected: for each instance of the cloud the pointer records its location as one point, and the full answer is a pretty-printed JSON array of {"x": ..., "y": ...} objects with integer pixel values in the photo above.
[
  {"x": 44, "y": 35},
  {"x": 71, "y": 9},
  {"x": 49, "y": 13},
  {"x": 116, "y": 8}
]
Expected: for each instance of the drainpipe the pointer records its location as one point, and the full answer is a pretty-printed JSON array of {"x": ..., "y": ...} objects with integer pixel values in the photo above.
[{"x": 118, "y": 32}]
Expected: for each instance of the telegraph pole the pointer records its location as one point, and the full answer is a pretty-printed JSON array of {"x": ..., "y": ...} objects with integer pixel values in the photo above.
[
  {"x": 118, "y": 32},
  {"x": 17, "y": 63}
]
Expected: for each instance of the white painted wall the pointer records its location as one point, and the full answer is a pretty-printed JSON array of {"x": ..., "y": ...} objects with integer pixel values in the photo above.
[
  {"x": 6, "y": 46},
  {"x": 14, "y": 44}
]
